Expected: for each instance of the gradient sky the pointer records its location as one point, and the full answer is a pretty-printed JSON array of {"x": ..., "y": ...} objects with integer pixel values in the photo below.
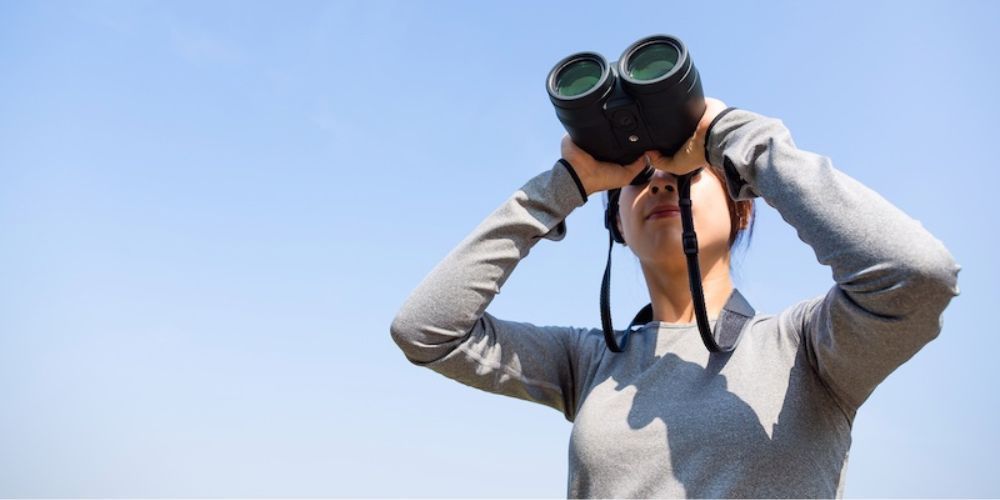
[{"x": 210, "y": 213}]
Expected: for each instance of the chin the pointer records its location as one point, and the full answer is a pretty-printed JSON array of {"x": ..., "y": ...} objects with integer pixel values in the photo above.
[
  {"x": 665, "y": 251},
  {"x": 668, "y": 251}
]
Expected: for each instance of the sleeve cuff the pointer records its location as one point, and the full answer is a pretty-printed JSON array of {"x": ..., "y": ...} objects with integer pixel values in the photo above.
[
  {"x": 576, "y": 178},
  {"x": 721, "y": 133},
  {"x": 708, "y": 134}
]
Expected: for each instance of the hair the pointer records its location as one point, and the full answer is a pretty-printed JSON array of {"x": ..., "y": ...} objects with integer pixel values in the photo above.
[{"x": 739, "y": 211}]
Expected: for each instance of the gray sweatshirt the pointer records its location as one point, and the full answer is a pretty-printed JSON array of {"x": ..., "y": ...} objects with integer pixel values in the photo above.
[{"x": 666, "y": 418}]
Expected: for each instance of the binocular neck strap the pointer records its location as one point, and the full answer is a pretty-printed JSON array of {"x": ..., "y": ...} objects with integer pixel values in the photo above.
[
  {"x": 734, "y": 316},
  {"x": 606, "y": 324},
  {"x": 690, "y": 241}
]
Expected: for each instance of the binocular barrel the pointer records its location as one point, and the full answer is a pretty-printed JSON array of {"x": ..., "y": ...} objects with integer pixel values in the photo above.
[{"x": 651, "y": 98}]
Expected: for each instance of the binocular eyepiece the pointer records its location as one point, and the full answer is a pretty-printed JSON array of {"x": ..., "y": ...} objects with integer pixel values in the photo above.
[{"x": 651, "y": 98}]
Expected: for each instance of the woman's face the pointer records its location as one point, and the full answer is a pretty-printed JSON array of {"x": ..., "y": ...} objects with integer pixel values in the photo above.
[{"x": 651, "y": 223}]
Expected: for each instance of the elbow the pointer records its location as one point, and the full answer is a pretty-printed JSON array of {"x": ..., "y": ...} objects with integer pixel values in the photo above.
[
  {"x": 914, "y": 287},
  {"x": 938, "y": 280},
  {"x": 933, "y": 282},
  {"x": 937, "y": 272},
  {"x": 403, "y": 334},
  {"x": 421, "y": 342}
]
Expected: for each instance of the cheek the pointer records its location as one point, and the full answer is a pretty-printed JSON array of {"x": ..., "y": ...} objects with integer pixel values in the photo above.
[
  {"x": 625, "y": 210},
  {"x": 712, "y": 210}
]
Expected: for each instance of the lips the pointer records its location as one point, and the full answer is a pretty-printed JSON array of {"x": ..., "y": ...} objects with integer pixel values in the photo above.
[{"x": 663, "y": 211}]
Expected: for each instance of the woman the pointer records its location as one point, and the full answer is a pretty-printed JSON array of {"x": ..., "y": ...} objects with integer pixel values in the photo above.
[{"x": 665, "y": 418}]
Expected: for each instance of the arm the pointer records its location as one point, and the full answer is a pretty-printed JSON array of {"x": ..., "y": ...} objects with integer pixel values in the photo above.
[
  {"x": 443, "y": 324},
  {"x": 893, "y": 278}
]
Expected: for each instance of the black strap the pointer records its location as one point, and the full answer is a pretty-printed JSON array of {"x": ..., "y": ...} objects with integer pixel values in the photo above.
[
  {"x": 606, "y": 324},
  {"x": 732, "y": 320},
  {"x": 690, "y": 241}
]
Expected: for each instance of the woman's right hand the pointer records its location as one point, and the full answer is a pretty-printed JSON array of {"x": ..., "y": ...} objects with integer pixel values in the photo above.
[{"x": 600, "y": 175}]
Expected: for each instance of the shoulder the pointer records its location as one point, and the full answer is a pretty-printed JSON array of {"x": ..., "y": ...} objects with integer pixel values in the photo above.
[{"x": 785, "y": 327}]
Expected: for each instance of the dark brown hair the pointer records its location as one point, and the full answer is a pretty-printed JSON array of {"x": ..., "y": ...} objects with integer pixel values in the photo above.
[{"x": 741, "y": 213}]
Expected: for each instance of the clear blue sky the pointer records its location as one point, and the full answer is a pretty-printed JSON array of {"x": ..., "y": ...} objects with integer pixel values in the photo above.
[{"x": 211, "y": 211}]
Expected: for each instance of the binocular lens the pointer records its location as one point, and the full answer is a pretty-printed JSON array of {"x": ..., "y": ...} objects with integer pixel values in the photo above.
[
  {"x": 652, "y": 61},
  {"x": 578, "y": 77}
]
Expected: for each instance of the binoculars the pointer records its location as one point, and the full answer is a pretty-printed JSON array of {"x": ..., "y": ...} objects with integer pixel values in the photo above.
[{"x": 651, "y": 98}]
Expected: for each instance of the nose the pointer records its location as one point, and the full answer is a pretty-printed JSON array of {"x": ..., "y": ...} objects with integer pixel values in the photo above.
[{"x": 662, "y": 180}]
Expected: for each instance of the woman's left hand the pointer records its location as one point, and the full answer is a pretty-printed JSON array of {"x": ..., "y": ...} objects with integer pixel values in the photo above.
[{"x": 690, "y": 156}]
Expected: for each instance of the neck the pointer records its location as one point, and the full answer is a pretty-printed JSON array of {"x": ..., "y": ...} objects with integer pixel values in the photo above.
[{"x": 670, "y": 289}]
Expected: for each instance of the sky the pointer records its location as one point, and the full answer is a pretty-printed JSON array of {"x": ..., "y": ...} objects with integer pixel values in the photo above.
[{"x": 210, "y": 213}]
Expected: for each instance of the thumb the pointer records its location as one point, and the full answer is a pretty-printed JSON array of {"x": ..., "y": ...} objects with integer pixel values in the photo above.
[{"x": 639, "y": 164}]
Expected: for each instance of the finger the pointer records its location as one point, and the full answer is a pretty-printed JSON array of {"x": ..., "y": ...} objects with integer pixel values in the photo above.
[
  {"x": 667, "y": 164},
  {"x": 654, "y": 155},
  {"x": 715, "y": 102},
  {"x": 567, "y": 143}
]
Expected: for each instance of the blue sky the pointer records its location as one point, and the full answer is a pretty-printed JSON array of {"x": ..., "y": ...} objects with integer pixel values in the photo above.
[{"x": 211, "y": 211}]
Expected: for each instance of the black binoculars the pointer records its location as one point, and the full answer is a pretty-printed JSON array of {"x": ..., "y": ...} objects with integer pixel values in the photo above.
[{"x": 651, "y": 98}]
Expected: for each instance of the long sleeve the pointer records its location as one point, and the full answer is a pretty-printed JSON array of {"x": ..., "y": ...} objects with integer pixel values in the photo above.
[
  {"x": 893, "y": 279},
  {"x": 443, "y": 324}
]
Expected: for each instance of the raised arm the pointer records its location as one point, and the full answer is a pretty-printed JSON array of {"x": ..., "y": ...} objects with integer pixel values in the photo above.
[
  {"x": 893, "y": 278},
  {"x": 443, "y": 324}
]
